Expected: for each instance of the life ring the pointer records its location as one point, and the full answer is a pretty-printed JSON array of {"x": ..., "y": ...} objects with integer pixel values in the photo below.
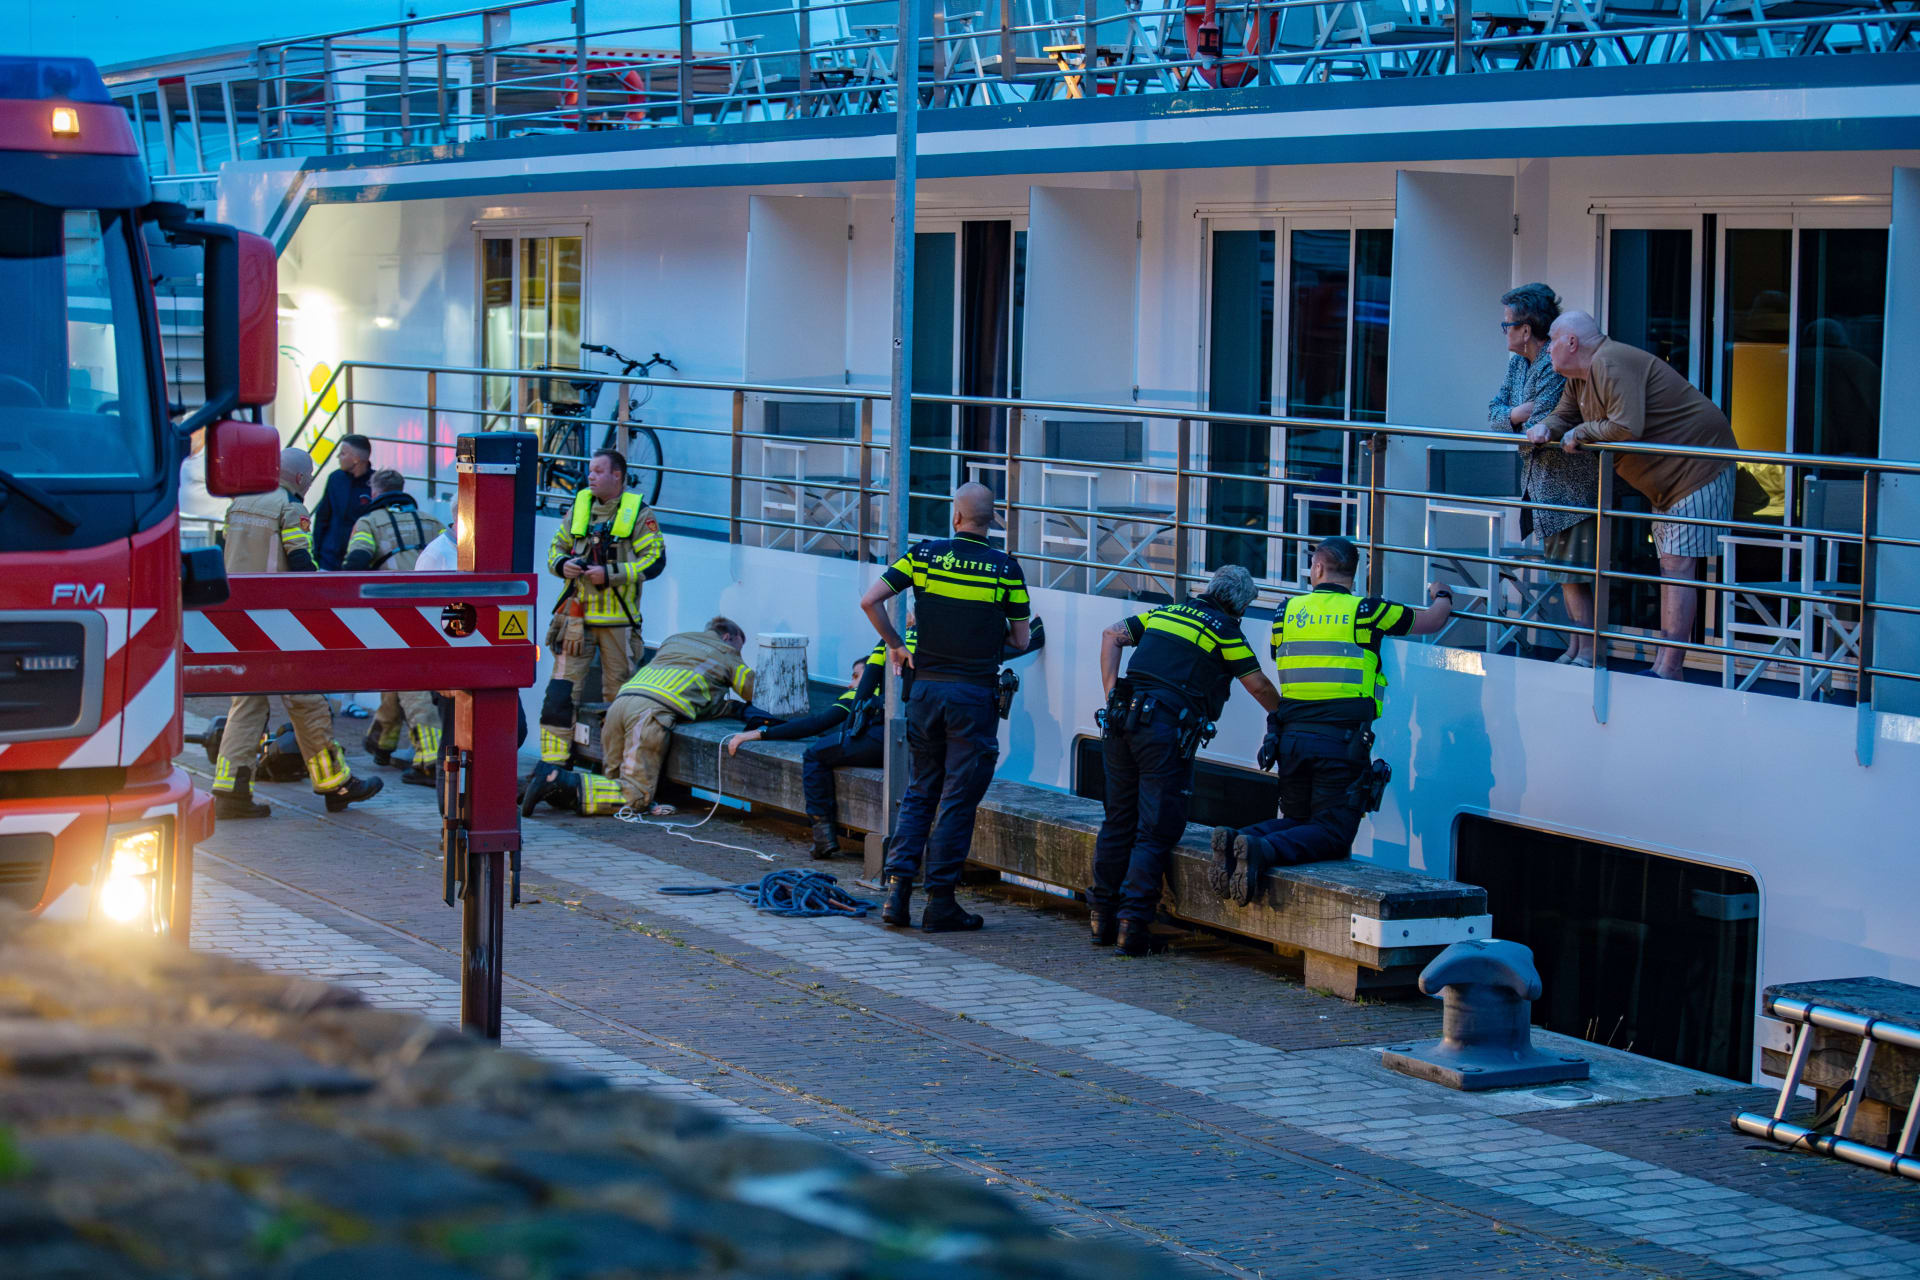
[
  {"x": 626, "y": 74},
  {"x": 1218, "y": 72}
]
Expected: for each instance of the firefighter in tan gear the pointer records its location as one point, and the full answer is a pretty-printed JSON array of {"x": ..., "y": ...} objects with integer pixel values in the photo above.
[
  {"x": 690, "y": 678},
  {"x": 270, "y": 533},
  {"x": 606, "y": 547},
  {"x": 391, "y": 536}
]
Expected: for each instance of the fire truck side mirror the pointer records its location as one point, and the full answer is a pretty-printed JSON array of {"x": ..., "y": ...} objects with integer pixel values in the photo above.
[
  {"x": 242, "y": 458},
  {"x": 259, "y": 320}
]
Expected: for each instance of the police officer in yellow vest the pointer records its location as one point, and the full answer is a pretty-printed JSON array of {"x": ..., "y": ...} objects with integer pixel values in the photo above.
[
  {"x": 691, "y": 677},
  {"x": 272, "y": 533},
  {"x": 391, "y": 536},
  {"x": 606, "y": 547},
  {"x": 1326, "y": 652}
]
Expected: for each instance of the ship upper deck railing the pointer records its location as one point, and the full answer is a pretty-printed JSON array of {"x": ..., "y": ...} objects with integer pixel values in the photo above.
[
  {"x": 572, "y": 66},
  {"x": 1794, "y": 610}
]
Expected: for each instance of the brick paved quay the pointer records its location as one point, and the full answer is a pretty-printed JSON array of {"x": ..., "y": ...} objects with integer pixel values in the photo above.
[{"x": 1203, "y": 1104}]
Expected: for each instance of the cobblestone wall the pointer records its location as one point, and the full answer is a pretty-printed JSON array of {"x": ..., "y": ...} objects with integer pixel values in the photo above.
[{"x": 166, "y": 1112}]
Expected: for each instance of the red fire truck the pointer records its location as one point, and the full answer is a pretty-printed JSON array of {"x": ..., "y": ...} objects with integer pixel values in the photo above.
[{"x": 95, "y": 820}]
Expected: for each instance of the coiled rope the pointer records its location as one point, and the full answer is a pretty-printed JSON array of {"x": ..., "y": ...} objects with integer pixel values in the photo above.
[{"x": 794, "y": 893}]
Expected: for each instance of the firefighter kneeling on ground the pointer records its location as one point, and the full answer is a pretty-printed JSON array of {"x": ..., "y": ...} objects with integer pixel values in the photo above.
[
  {"x": 1326, "y": 651},
  {"x": 690, "y": 678},
  {"x": 270, "y": 533},
  {"x": 606, "y": 547},
  {"x": 391, "y": 536},
  {"x": 1155, "y": 719}
]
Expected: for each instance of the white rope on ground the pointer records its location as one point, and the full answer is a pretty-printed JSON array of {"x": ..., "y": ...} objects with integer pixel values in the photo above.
[{"x": 628, "y": 813}]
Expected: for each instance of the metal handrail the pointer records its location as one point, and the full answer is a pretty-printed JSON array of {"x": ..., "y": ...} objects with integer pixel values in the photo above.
[
  {"x": 1027, "y": 513},
  {"x": 1135, "y": 52}
]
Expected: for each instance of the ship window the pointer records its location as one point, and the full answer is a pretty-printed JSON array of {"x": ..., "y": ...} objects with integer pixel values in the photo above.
[
  {"x": 1840, "y": 326},
  {"x": 1754, "y": 359},
  {"x": 1650, "y": 292},
  {"x": 1327, "y": 347},
  {"x": 1650, "y": 954},
  {"x": 1223, "y": 795}
]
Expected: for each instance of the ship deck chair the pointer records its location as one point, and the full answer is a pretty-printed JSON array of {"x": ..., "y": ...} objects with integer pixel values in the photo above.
[{"x": 763, "y": 52}]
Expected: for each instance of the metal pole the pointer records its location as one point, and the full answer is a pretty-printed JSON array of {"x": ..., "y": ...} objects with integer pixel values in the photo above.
[
  {"x": 406, "y": 94},
  {"x": 326, "y": 74},
  {"x": 906, "y": 78},
  {"x": 580, "y": 65},
  {"x": 268, "y": 149},
  {"x": 1865, "y": 727},
  {"x": 1602, "y": 584},
  {"x": 685, "y": 76}
]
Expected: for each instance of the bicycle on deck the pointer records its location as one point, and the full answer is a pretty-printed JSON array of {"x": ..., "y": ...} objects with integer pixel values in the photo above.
[{"x": 569, "y": 403}]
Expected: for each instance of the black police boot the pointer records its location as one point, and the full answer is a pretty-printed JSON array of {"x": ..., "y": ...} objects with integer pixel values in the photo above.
[
  {"x": 549, "y": 782},
  {"x": 1220, "y": 870},
  {"x": 899, "y": 908},
  {"x": 1252, "y": 856},
  {"x": 944, "y": 915},
  {"x": 238, "y": 804},
  {"x": 1102, "y": 927},
  {"x": 381, "y": 755},
  {"x": 356, "y": 790},
  {"x": 418, "y": 775},
  {"x": 1136, "y": 939},
  {"x": 826, "y": 840}
]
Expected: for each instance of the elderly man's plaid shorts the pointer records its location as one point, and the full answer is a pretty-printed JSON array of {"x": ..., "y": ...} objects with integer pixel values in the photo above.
[{"x": 1711, "y": 501}]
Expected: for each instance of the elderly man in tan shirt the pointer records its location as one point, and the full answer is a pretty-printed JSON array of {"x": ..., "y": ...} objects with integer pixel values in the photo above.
[{"x": 1618, "y": 392}]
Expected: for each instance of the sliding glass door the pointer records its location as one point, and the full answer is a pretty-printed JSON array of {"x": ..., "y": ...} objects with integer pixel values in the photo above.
[
  {"x": 968, "y": 320},
  {"x": 1298, "y": 304},
  {"x": 532, "y": 306}
]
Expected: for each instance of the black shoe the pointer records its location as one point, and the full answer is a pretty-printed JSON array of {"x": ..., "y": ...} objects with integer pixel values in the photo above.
[
  {"x": 899, "y": 908},
  {"x": 549, "y": 782},
  {"x": 238, "y": 804},
  {"x": 381, "y": 755},
  {"x": 944, "y": 915},
  {"x": 1102, "y": 927},
  {"x": 1220, "y": 870},
  {"x": 1252, "y": 856},
  {"x": 1136, "y": 939},
  {"x": 356, "y": 790},
  {"x": 415, "y": 776},
  {"x": 826, "y": 840}
]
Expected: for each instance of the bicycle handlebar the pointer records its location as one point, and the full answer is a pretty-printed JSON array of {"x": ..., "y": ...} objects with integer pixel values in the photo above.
[{"x": 644, "y": 366}]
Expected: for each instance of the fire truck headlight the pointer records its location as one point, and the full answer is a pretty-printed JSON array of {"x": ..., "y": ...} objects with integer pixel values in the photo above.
[{"x": 133, "y": 868}]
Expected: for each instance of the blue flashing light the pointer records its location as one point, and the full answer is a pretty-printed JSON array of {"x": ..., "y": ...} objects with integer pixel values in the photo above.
[{"x": 43, "y": 79}]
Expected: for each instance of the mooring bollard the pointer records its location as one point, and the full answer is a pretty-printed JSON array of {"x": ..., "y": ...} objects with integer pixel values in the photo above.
[
  {"x": 1486, "y": 1040},
  {"x": 780, "y": 677}
]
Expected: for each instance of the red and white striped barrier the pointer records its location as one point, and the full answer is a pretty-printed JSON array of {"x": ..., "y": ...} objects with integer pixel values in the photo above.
[{"x": 364, "y": 632}]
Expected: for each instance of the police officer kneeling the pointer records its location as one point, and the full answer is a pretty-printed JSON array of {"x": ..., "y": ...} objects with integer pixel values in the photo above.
[
  {"x": 1155, "y": 720},
  {"x": 1326, "y": 651}
]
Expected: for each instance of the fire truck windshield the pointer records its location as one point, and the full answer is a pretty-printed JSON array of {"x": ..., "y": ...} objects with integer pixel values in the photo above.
[{"x": 76, "y": 400}]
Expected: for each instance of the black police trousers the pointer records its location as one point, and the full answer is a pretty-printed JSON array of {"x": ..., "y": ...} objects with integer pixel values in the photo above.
[
  {"x": 1149, "y": 787},
  {"x": 953, "y": 743},
  {"x": 822, "y": 758},
  {"x": 1318, "y": 817}
]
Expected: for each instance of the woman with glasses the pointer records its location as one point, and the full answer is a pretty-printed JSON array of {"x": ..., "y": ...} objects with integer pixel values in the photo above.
[{"x": 1530, "y": 392}]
